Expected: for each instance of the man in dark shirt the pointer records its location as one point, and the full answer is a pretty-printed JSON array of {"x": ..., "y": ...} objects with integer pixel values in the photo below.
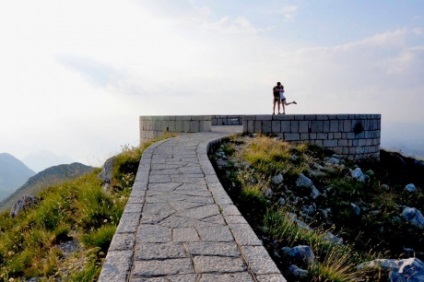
[{"x": 276, "y": 92}]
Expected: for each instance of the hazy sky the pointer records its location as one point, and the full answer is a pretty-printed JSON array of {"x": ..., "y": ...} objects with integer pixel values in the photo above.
[{"x": 75, "y": 75}]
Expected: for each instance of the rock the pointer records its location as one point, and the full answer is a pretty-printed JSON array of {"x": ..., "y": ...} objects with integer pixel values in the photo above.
[
  {"x": 281, "y": 201},
  {"x": 22, "y": 204},
  {"x": 301, "y": 254},
  {"x": 385, "y": 187},
  {"x": 411, "y": 188},
  {"x": 333, "y": 160},
  {"x": 330, "y": 237},
  {"x": 309, "y": 209},
  {"x": 222, "y": 163},
  {"x": 107, "y": 171},
  {"x": 356, "y": 209},
  {"x": 294, "y": 158},
  {"x": 299, "y": 223},
  {"x": 414, "y": 217},
  {"x": 268, "y": 193},
  {"x": 297, "y": 273},
  {"x": 303, "y": 181},
  {"x": 404, "y": 270},
  {"x": 314, "y": 193},
  {"x": 411, "y": 270},
  {"x": 278, "y": 179},
  {"x": 359, "y": 175},
  {"x": 325, "y": 213}
]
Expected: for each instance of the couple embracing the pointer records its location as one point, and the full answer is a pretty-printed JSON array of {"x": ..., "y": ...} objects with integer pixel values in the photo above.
[{"x": 279, "y": 98}]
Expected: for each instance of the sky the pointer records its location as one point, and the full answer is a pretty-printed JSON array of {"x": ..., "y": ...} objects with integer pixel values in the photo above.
[{"x": 76, "y": 75}]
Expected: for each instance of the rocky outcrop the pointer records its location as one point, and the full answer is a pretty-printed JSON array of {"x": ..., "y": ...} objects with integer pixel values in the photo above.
[
  {"x": 106, "y": 173},
  {"x": 414, "y": 217},
  {"x": 404, "y": 270},
  {"x": 22, "y": 204}
]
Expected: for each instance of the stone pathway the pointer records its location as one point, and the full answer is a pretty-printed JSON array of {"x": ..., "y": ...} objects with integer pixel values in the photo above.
[{"x": 180, "y": 225}]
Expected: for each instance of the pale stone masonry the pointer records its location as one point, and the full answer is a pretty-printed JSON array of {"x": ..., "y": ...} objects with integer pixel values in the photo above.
[
  {"x": 179, "y": 223},
  {"x": 355, "y": 136}
]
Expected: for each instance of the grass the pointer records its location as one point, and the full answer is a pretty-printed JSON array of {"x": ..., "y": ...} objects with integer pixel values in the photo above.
[
  {"x": 367, "y": 235},
  {"x": 78, "y": 213}
]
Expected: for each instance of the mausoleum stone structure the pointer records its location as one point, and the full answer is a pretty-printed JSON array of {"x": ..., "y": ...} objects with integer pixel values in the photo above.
[{"x": 355, "y": 136}]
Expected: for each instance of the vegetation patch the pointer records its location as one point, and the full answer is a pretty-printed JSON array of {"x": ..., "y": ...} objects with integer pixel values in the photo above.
[
  {"x": 300, "y": 198},
  {"x": 65, "y": 237}
]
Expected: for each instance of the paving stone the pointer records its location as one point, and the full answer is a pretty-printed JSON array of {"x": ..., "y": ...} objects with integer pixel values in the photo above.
[
  {"x": 226, "y": 277},
  {"x": 215, "y": 234},
  {"x": 163, "y": 186},
  {"x": 236, "y": 219},
  {"x": 258, "y": 260},
  {"x": 153, "y": 234},
  {"x": 116, "y": 266},
  {"x": 185, "y": 235},
  {"x": 172, "y": 278},
  {"x": 175, "y": 221},
  {"x": 201, "y": 212},
  {"x": 160, "y": 179},
  {"x": 204, "y": 264},
  {"x": 271, "y": 278},
  {"x": 149, "y": 251},
  {"x": 182, "y": 205},
  {"x": 122, "y": 242},
  {"x": 156, "y": 212},
  {"x": 227, "y": 249},
  {"x": 128, "y": 222},
  {"x": 151, "y": 268},
  {"x": 244, "y": 235}
]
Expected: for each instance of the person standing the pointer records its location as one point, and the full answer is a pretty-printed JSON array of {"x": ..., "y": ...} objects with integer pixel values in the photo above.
[
  {"x": 283, "y": 99},
  {"x": 276, "y": 94}
]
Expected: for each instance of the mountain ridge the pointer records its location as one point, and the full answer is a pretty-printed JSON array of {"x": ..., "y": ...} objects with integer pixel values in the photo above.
[
  {"x": 50, "y": 176},
  {"x": 13, "y": 174}
]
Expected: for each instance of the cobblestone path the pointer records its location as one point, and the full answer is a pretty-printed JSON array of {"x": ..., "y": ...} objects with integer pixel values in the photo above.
[{"x": 180, "y": 225}]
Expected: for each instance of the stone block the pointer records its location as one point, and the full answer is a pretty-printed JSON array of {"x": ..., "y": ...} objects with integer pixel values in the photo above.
[
  {"x": 266, "y": 126},
  {"x": 304, "y": 136},
  {"x": 259, "y": 260},
  {"x": 116, "y": 266},
  {"x": 330, "y": 143},
  {"x": 291, "y": 136},
  {"x": 218, "y": 264},
  {"x": 303, "y": 126},
  {"x": 149, "y": 251},
  {"x": 128, "y": 223},
  {"x": 264, "y": 117},
  {"x": 152, "y": 268},
  {"x": 334, "y": 126},
  {"x": 285, "y": 126},
  {"x": 258, "y": 126},
  {"x": 276, "y": 126},
  {"x": 294, "y": 127},
  {"x": 317, "y": 126}
]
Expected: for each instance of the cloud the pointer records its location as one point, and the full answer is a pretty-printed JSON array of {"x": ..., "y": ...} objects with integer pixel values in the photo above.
[
  {"x": 289, "y": 12},
  {"x": 99, "y": 74},
  {"x": 227, "y": 25}
]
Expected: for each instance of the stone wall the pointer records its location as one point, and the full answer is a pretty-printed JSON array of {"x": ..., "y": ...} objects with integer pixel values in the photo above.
[
  {"x": 355, "y": 136},
  {"x": 155, "y": 126},
  {"x": 227, "y": 120}
]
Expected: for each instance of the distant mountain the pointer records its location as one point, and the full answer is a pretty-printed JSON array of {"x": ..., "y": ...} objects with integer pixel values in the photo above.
[
  {"x": 41, "y": 160},
  {"x": 13, "y": 173},
  {"x": 48, "y": 177}
]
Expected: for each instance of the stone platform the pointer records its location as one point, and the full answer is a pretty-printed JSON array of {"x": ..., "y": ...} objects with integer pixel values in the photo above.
[{"x": 179, "y": 223}]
